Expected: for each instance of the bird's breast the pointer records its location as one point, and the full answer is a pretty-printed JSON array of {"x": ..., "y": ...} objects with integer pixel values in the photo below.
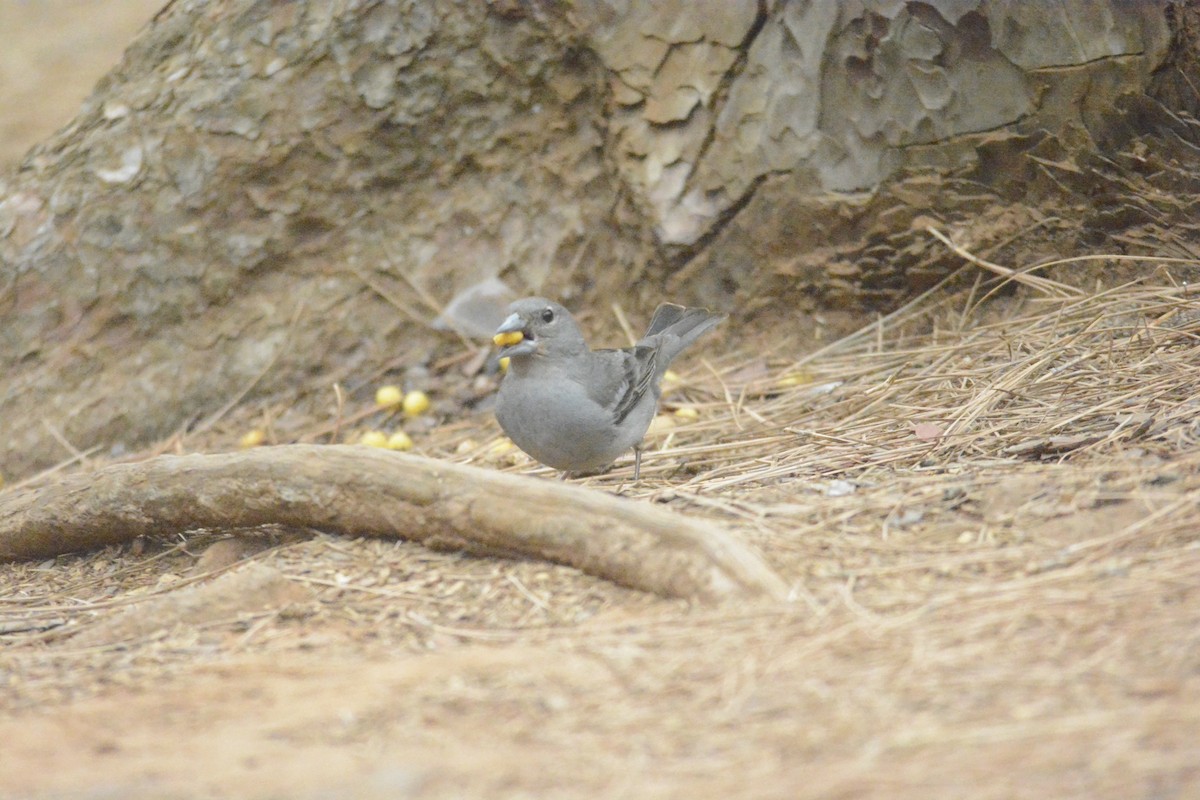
[{"x": 560, "y": 425}]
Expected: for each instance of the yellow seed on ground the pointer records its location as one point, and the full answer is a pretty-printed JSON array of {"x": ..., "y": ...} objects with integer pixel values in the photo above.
[
  {"x": 687, "y": 412},
  {"x": 252, "y": 438},
  {"x": 671, "y": 376},
  {"x": 399, "y": 441},
  {"x": 415, "y": 402},
  {"x": 465, "y": 446},
  {"x": 504, "y": 364},
  {"x": 373, "y": 439},
  {"x": 388, "y": 396},
  {"x": 504, "y": 452},
  {"x": 505, "y": 339},
  {"x": 794, "y": 379}
]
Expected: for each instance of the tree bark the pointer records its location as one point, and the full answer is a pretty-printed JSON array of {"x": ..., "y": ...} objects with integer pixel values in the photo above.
[
  {"x": 364, "y": 492},
  {"x": 243, "y": 198}
]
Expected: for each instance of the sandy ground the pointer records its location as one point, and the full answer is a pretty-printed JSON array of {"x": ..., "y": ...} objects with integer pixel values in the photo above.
[
  {"x": 54, "y": 52},
  {"x": 964, "y": 623},
  {"x": 961, "y": 625}
]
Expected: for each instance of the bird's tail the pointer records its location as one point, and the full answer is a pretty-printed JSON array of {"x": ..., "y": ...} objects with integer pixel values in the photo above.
[{"x": 673, "y": 328}]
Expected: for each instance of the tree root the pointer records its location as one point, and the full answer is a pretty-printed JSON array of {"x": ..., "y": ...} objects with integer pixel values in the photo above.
[{"x": 363, "y": 492}]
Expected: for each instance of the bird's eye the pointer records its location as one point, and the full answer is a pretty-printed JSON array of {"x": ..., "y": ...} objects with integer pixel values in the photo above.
[{"x": 548, "y": 315}]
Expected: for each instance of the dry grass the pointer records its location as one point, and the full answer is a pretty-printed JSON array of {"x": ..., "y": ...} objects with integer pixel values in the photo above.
[{"x": 988, "y": 504}]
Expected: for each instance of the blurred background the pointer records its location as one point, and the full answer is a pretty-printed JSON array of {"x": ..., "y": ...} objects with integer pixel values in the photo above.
[{"x": 54, "y": 52}]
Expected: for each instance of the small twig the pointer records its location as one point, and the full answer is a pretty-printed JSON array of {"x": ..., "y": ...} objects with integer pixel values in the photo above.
[
  {"x": 425, "y": 297},
  {"x": 619, "y": 313},
  {"x": 237, "y": 398},
  {"x": 340, "y": 398},
  {"x": 76, "y": 453},
  {"x": 61, "y": 465},
  {"x": 1018, "y": 276},
  {"x": 392, "y": 300},
  {"x": 527, "y": 594}
]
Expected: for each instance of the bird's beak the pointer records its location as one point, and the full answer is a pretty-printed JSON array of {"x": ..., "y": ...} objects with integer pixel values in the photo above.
[{"x": 511, "y": 339}]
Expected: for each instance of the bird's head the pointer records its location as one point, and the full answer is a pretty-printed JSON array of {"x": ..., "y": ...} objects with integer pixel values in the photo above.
[{"x": 537, "y": 326}]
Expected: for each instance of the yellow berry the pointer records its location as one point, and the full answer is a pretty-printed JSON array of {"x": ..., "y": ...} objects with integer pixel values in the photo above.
[
  {"x": 399, "y": 441},
  {"x": 795, "y": 379},
  {"x": 503, "y": 451},
  {"x": 415, "y": 403},
  {"x": 252, "y": 438},
  {"x": 504, "y": 364},
  {"x": 373, "y": 439},
  {"x": 505, "y": 339},
  {"x": 687, "y": 412},
  {"x": 388, "y": 396}
]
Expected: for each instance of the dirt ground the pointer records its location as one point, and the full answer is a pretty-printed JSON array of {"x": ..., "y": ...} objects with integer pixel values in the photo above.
[
  {"x": 979, "y": 610},
  {"x": 989, "y": 515},
  {"x": 54, "y": 52}
]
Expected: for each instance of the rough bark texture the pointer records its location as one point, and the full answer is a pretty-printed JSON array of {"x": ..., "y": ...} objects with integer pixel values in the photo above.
[
  {"x": 236, "y": 199},
  {"x": 841, "y": 95},
  {"x": 220, "y": 201},
  {"x": 358, "y": 491}
]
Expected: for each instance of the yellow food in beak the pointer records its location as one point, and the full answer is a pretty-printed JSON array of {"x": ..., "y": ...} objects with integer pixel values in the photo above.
[{"x": 505, "y": 339}]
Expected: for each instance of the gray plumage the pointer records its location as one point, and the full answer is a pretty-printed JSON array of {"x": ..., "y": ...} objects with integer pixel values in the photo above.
[{"x": 577, "y": 409}]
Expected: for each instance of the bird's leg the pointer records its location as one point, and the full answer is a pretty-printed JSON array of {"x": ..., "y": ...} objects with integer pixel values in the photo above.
[{"x": 637, "y": 462}]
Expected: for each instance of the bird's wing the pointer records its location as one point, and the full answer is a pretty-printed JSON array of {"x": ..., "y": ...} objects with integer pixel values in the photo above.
[
  {"x": 621, "y": 378},
  {"x": 617, "y": 380}
]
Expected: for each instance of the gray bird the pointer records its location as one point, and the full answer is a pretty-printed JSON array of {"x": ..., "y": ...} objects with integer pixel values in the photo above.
[{"x": 576, "y": 409}]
